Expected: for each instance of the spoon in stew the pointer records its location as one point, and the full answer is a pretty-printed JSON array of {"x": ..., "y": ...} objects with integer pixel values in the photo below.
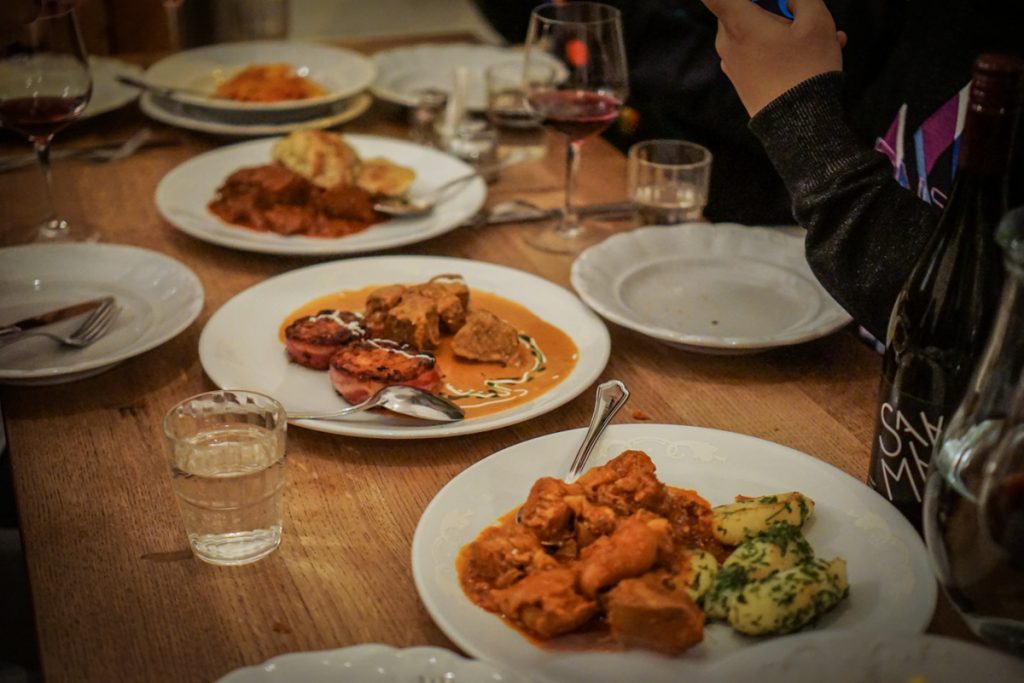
[
  {"x": 611, "y": 396},
  {"x": 409, "y": 207},
  {"x": 398, "y": 398}
]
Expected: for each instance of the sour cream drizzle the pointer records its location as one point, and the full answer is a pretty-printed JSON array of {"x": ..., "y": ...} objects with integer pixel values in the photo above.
[{"x": 499, "y": 388}]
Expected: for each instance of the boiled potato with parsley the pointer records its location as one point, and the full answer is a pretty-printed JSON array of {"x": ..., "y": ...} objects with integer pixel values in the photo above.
[
  {"x": 781, "y": 547},
  {"x": 789, "y": 599},
  {"x": 702, "y": 569},
  {"x": 749, "y": 516}
]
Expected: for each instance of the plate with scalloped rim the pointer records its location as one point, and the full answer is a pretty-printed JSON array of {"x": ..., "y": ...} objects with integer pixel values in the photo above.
[
  {"x": 891, "y": 585},
  {"x": 708, "y": 287},
  {"x": 372, "y": 662}
]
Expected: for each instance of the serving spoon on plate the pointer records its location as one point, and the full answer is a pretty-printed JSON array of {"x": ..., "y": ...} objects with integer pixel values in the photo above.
[
  {"x": 398, "y": 398},
  {"x": 410, "y": 207},
  {"x": 611, "y": 396}
]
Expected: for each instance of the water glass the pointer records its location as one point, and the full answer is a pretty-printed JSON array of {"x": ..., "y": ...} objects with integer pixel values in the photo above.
[
  {"x": 228, "y": 471},
  {"x": 668, "y": 181},
  {"x": 520, "y": 133}
]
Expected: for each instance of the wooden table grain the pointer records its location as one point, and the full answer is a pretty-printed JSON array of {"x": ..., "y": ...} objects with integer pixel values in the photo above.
[{"x": 116, "y": 593}]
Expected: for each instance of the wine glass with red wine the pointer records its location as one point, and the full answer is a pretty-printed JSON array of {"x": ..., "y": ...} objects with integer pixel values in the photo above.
[
  {"x": 584, "y": 96},
  {"x": 44, "y": 86}
]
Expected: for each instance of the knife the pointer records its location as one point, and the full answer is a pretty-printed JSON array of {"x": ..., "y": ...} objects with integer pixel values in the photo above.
[
  {"x": 519, "y": 211},
  {"x": 51, "y": 317}
]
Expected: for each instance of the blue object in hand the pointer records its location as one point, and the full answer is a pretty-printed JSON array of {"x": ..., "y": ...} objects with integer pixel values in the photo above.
[{"x": 780, "y": 7}]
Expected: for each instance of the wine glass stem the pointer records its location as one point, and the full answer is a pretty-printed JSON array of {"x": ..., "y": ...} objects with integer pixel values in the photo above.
[
  {"x": 42, "y": 147},
  {"x": 570, "y": 224}
]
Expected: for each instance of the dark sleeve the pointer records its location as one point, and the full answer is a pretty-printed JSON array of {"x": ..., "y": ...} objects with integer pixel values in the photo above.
[{"x": 864, "y": 231}]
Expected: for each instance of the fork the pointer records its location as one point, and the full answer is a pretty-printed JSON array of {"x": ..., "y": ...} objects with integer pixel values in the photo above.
[
  {"x": 144, "y": 137},
  {"x": 92, "y": 328}
]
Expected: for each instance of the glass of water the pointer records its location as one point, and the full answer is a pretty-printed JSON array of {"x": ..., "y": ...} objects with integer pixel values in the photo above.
[
  {"x": 228, "y": 471},
  {"x": 668, "y": 181}
]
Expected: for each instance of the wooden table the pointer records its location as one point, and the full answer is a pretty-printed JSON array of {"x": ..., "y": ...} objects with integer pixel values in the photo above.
[{"x": 116, "y": 592}]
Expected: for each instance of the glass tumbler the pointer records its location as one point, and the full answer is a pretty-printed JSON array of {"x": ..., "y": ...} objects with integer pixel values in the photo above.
[
  {"x": 228, "y": 472},
  {"x": 668, "y": 181}
]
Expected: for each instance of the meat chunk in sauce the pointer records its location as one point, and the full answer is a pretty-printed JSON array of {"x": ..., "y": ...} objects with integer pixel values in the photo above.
[
  {"x": 312, "y": 339},
  {"x": 547, "y": 603},
  {"x": 413, "y": 320},
  {"x": 546, "y": 511},
  {"x": 364, "y": 367},
  {"x": 274, "y": 198},
  {"x": 486, "y": 337},
  {"x": 654, "y": 611},
  {"x": 504, "y": 555},
  {"x": 626, "y": 484},
  {"x": 616, "y": 544},
  {"x": 629, "y": 551}
]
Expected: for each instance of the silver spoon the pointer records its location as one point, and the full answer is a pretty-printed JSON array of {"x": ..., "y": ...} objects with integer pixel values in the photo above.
[
  {"x": 398, "y": 398},
  {"x": 611, "y": 396},
  {"x": 408, "y": 207}
]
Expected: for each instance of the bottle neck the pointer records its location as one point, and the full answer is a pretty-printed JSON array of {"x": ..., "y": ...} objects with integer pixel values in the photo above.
[{"x": 988, "y": 140}]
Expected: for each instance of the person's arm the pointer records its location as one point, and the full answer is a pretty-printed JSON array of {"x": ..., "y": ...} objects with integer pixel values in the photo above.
[{"x": 864, "y": 231}]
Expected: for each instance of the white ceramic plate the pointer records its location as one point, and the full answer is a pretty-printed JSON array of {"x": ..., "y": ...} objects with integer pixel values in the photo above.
[
  {"x": 183, "y": 194},
  {"x": 340, "y": 72},
  {"x": 404, "y": 71},
  {"x": 107, "y": 93},
  {"x": 239, "y": 347},
  {"x": 184, "y": 116},
  {"x": 891, "y": 584},
  {"x": 714, "y": 288},
  {"x": 873, "y": 658},
  {"x": 159, "y": 297},
  {"x": 372, "y": 662}
]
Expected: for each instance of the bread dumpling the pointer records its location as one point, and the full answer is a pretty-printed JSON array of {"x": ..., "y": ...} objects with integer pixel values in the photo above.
[{"x": 325, "y": 159}]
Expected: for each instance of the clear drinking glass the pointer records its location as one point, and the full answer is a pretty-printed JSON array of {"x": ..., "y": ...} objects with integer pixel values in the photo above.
[
  {"x": 44, "y": 86},
  {"x": 583, "y": 40},
  {"x": 668, "y": 181},
  {"x": 228, "y": 471}
]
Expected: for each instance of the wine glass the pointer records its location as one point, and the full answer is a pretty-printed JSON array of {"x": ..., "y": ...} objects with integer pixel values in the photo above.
[
  {"x": 44, "y": 85},
  {"x": 584, "y": 42}
]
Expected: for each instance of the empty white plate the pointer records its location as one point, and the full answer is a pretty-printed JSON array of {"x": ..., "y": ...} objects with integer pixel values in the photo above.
[
  {"x": 713, "y": 288},
  {"x": 158, "y": 296}
]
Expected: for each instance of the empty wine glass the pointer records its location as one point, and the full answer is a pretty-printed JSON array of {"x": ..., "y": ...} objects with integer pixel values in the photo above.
[
  {"x": 45, "y": 85},
  {"x": 583, "y": 40}
]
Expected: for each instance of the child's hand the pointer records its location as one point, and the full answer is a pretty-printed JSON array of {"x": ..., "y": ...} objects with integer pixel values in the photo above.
[{"x": 765, "y": 55}]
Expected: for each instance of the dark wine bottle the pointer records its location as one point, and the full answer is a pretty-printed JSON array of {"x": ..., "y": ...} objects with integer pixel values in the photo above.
[{"x": 942, "y": 316}]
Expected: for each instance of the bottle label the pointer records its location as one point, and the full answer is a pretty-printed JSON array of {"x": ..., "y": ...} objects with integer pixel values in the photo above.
[{"x": 906, "y": 432}]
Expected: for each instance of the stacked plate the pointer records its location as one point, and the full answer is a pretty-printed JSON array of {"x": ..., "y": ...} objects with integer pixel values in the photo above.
[{"x": 344, "y": 75}]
